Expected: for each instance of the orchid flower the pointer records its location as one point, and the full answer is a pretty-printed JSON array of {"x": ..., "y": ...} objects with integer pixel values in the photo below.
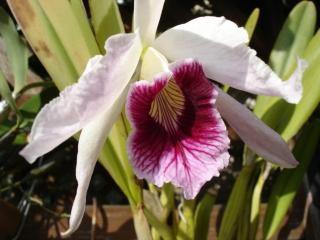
[{"x": 178, "y": 133}]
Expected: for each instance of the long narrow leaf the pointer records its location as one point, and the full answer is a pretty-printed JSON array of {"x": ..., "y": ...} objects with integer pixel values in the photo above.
[
  {"x": 295, "y": 117},
  {"x": 236, "y": 204},
  {"x": 186, "y": 226},
  {"x": 15, "y": 50},
  {"x": 56, "y": 31},
  {"x": 313, "y": 49},
  {"x": 110, "y": 161},
  {"x": 288, "y": 119},
  {"x": 167, "y": 199},
  {"x": 6, "y": 93},
  {"x": 83, "y": 21},
  {"x": 44, "y": 41},
  {"x": 291, "y": 42},
  {"x": 289, "y": 180},
  {"x": 202, "y": 215},
  {"x": 294, "y": 37},
  {"x": 67, "y": 26},
  {"x": 252, "y": 22},
  {"x": 117, "y": 139},
  {"x": 246, "y": 226},
  {"x": 106, "y": 19},
  {"x": 255, "y": 204}
]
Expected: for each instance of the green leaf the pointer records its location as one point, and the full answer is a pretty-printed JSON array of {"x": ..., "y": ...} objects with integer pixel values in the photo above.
[
  {"x": 243, "y": 224},
  {"x": 44, "y": 40},
  {"x": 202, "y": 215},
  {"x": 66, "y": 24},
  {"x": 83, "y": 21},
  {"x": 167, "y": 199},
  {"x": 141, "y": 224},
  {"x": 111, "y": 162},
  {"x": 106, "y": 20},
  {"x": 33, "y": 105},
  {"x": 29, "y": 110},
  {"x": 252, "y": 22},
  {"x": 118, "y": 136},
  {"x": 236, "y": 204},
  {"x": 15, "y": 49},
  {"x": 247, "y": 221},
  {"x": 289, "y": 180},
  {"x": 186, "y": 225},
  {"x": 287, "y": 119},
  {"x": 117, "y": 140},
  {"x": 255, "y": 202},
  {"x": 294, "y": 117},
  {"x": 60, "y": 35},
  {"x": 313, "y": 50},
  {"x": 293, "y": 38},
  {"x": 152, "y": 202},
  {"x": 163, "y": 229},
  {"x": 6, "y": 93}
]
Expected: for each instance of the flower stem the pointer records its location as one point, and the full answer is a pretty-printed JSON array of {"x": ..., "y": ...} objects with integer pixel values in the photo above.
[
  {"x": 167, "y": 199},
  {"x": 186, "y": 225},
  {"x": 140, "y": 223},
  {"x": 162, "y": 228}
]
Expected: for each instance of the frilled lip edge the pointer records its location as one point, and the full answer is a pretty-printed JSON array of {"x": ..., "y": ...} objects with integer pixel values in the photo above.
[{"x": 178, "y": 135}]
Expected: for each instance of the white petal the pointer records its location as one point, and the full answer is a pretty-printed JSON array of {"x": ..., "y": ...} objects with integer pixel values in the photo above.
[
  {"x": 146, "y": 18},
  {"x": 103, "y": 81},
  {"x": 260, "y": 138},
  {"x": 221, "y": 47},
  {"x": 153, "y": 63},
  {"x": 91, "y": 142},
  {"x": 92, "y": 63},
  {"x": 216, "y": 29}
]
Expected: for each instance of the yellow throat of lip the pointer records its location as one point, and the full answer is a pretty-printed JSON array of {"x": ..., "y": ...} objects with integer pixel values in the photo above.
[{"x": 168, "y": 106}]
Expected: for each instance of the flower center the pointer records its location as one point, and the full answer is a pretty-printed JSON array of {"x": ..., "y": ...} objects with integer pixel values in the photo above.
[{"x": 168, "y": 106}]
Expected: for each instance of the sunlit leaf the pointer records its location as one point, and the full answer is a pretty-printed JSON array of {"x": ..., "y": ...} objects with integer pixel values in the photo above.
[
  {"x": 236, "y": 204},
  {"x": 167, "y": 199},
  {"x": 313, "y": 49},
  {"x": 288, "y": 119},
  {"x": 186, "y": 225},
  {"x": 83, "y": 21},
  {"x": 293, "y": 38},
  {"x": 248, "y": 219},
  {"x": 255, "y": 204},
  {"x": 118, "y": 136},
  {"x": 32, "y": 106},
  {"x": 289, "y": 180},
  {"x": 15, "y": 50},
  {"x": 252, "y": 22},
  {"x": 106, "y": 20},
  {"x": 67, "y": 26},
  {"x": 44, "y": 40},
  {"x": 6, "y": 92},
  {"x": 202, "y": 215},
  {"x": 110, "y": 161},
  {"x": 59, "y": 34}
]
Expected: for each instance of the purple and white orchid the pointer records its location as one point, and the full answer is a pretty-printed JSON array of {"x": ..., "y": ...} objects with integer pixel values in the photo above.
[{"x": 179, "y": 135}]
